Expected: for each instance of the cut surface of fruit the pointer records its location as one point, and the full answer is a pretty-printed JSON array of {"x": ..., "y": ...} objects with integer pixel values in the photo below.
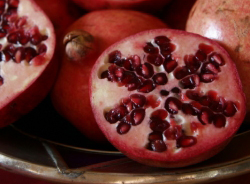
[
  {"x": 177, "y": 109},
  {"x": 27, "y": 43}
]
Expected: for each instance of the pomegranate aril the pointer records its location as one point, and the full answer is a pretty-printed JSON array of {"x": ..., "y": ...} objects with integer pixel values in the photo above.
[
  {"x": 116, "y": 114},
  {"x": 104, "y": 74},
  {"x": 181, "y": 72},
  {"x": 219, "y": 120},
  {"x": 115, "y": 57},
  {"x": 166, "y": 50},
  {"x": 175, "y": 90},
  {"x": 21, "y": 22},
  {"x": 190, "y": 82},
  {"x": 155, "y": 59},
  {"x": 172, "y": 105},
  {"x": 150, "y": 48},
  {"x": 29, "y": 53},
  {"x": 123, "y": 128},
  {"x": 138, "y": 100},
  {"x": 210, "y": 68},
  {"x": 230, "y": 109},
  {"x": 169, "y": 66},
  {"x": 193, "y": 95},
  {"x": 185, "y": 141},
  {"x": 205, "y": 116},
  {"x": 1, "y": 80},
  {"x": 13, "y": 3},
  {"x": 42, "y": 49},
  {"x": 146, "y": 70},
  {"x": 155, "y": 136},
  {"x": 19, "y": 55},
  {"x": 128, "y": 104},
  {"x": 13, "y": 37},
  {"x": 205, "y": 100},
  {"x": 159, "y": 125},
  {"x": 137, "y": 116},
  {"x": 158, "y": 146},
  {"x": 160, "y": 79},
  {"x": 192, "y": 64},
  {"x": 3, "y": 33},
  {"x": 173, "y": 132},
  {"x": 146, "y": 86},
  {"x": 188, "y": 109},
  {"x": 200, "y": 56},
  {"x": 219, "y": 105},
  {"x": 207, "y": 77},
  {"x": 159, "y": 113},
  {"x": 164, "y": 92},
  {"x": 161, "y": 40},
  {"x": 216, "y": 59}
]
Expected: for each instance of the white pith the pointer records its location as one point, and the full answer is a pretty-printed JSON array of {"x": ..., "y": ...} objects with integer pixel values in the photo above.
[{"x": 19, "y": 76}]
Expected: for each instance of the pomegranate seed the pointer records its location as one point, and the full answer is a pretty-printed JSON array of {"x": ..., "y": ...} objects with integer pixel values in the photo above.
[
  {"x": 42, "y": 49},
  {"x": 166, "y": 50},
  {"x": 116, "y": 114},
  {"x": 155, "y": 136},
  {"x": 200, "y": 56},
  {"x": 181, "y": 72},
  {"x": 119, "y": 74},
  {"x": 21, "y": 22},
  {"x": 196, "y": 107},
  {"x": 115, "y": 57},
  {"x": 188, "y": 109},
  {"x": 3, "y": 33},
  {"x": 219, "y": 120},
  {"x": 137, "y": 116},
  {"x": 105, "y": 74},
  {"x": 190, "y": 82},
  {"x": 186, "y": 141},
  {"x": 175, "y": 90},
  {"x": 146, "y": 86},
  {"x": 207, "y": 49},
  {"x": 205, "y": 116},
  {"x": 173, "y": 132},
  {"x": 216, "y": 59},
  {"x": 192, "y": 64},
  {"x": 172, "y": 105},
  {"x": 193, "y": 95},
  {"x": 129, "y": 78},
  {"x": 169, "y": 66},
  {"x": 204, "y": 100},
  {"x": 29, "y": 53},
  {"x": 1, "y": 81},
  {"x": 2, "y": 4},
  {"x": 150, "y": 49},
  {"x": 128, "y": 104},
  {"x": 158, "y": 146},
  {"x": 160, "y": 79},
  {"x": 159, "y": 125},
  {"x": 218, "y": 105},
  {"x": 159, "y": 113},
  {"x": 210, "y": 68},
  {"x": 153, "y": 101},
  {"x": 161, "y": 40},
  {"x": 207, "y": 77},
  {"x": 230, "y": 109},
  {"x": 24, "y": 38},
  {"x": 19, "y": 55},
  {"x": 146, "y": 70},
  {"x": 164, "y": 92},
  {"x": 13, "y": 3},
  {"x": 138, "y": 100},
  {"x": 13, "y": 37},
  {"x": 123, "y": 128},
  {"x": 155, "y": 59}
]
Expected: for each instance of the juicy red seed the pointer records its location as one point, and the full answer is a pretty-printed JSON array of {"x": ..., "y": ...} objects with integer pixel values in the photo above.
[
  {"x": 219, "y": 120},
  {"x": 35, "y": 39},
  {"x": 193, "y": 95},
  {"x": 161, "y": 40},
  {"x": 21, "y": 22},
  {"x": 196, "y": 107},
  {"x": 136, "y": 62},
  {"x": 205, "y": 100},
  {"x": 127, "y": 119},
  {"x": 13, "y": 37},
  {"x": 230, "y": 109},
  {"x": 127, "y": 64},
  {"x": 146, "y": 86},
  {"x": 19, "y": 55},
  {"x": 188, "y": 109},
  {"x": 105, "y": 74},
  {"x": 207, "y": 49},
  {"x": 164, "y": 92},
  {"x": 216, "y": 59},
  {"x": 137, "y": 116},
  {"x": 3, "y": 33},
  {"x": 169, "y": 66},
  {"x": 166, "y": 50},
  {"x": 42, "y": 49},
  {"x": 218, "y": 105},
  {"x": 207, "y": 77},
  {"x": 200, "y": 56},
  {"x": 173, "y": 132},
  {"x": 190, "y": 82},
  {"x": 158, "y": 146},
  {"x": 29, "y": 53},
  {"x": 138, "y": 100},
  {"x": 160, "y": 113},
  {"x": 159, "y": 125},
  {"x": 185, "y": 141},
  {"x": 128, "y": 104},
  {"x": 192, "y": 64},
  {"x": 205, "y": 116},
  {"x": 172, "y": 105},
  {"x": 146, "y": 70},
  {"x": 129, "y": 78},
  {"x": 1, "y": 81},
  {"x": 155, "y": 136},
  {"x": 24, "y": 38},
  {"x": 150, "y": 49},
  {"x": 13, "y": 3},
  {"x": 2, "y": 3},
  {"x": 181, "y": 72},
  {"x": 115, "y": 57},
  {"x": 123, "y": 128},
  {"x": 175, "y": 90},
  {"x": 116, "y": 114},
  {"x": 160, "y": 79},
  {"x": 155, "y": 59},
  {"x": 210, "y": 68}
]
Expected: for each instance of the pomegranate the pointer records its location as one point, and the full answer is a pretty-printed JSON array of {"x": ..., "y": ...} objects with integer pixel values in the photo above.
[
  {"x": 85, "y": 41},
  {"x": 143, "y": 5},
  {"x": 227, "y": 23},
  {"x": 175, "y": 14},
  {"x": 54, "y": 8},
  {"x": 167, "y": 98},
  {"x": 26, "y": 48}
]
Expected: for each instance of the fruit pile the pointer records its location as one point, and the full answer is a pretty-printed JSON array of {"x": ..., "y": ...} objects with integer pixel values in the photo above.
[{"x": 160, "y": 80}]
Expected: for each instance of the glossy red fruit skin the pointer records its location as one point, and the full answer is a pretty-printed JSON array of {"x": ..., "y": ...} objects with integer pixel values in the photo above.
[
  {"x": 33, "y": 93},
  {"x": 142, "y": 5},
  {"x": 70, "y": 93},
  {"x": 129, "y": 145},
  {"x": 227, "y": 23}
]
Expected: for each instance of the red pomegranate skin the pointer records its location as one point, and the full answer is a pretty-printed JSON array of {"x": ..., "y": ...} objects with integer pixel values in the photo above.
[
  {"x": 142, "y": 5},
  {"x": 70, "y": 93},
  {"x": 129, "y": 117},
  {"x": 228, "y": 23}
]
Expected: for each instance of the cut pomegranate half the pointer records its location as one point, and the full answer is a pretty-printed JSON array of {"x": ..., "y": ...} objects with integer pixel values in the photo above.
[
  {"x": 27, "y": 44},
  {"x": 180, "y": 114}
]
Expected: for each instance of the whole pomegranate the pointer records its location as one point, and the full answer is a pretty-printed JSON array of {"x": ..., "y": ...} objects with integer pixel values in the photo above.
[
  {"x": 85, "y": 41},
  {"x": 26, "y": 48},
  {"x": 228, "y": 23},
  {"x": 54, "y": 8},
  {"x": 143, "y": 5},
  {"x": 167, "y": 98}
]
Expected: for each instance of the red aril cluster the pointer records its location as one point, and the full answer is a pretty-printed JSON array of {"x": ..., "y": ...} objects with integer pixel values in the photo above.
[{"x": 167, "y": 98}]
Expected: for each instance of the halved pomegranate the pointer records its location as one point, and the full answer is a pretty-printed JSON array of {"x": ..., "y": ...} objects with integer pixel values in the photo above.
[
  {"x": 27, "y": 44},
  {"x": 167, "y": 98}
]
